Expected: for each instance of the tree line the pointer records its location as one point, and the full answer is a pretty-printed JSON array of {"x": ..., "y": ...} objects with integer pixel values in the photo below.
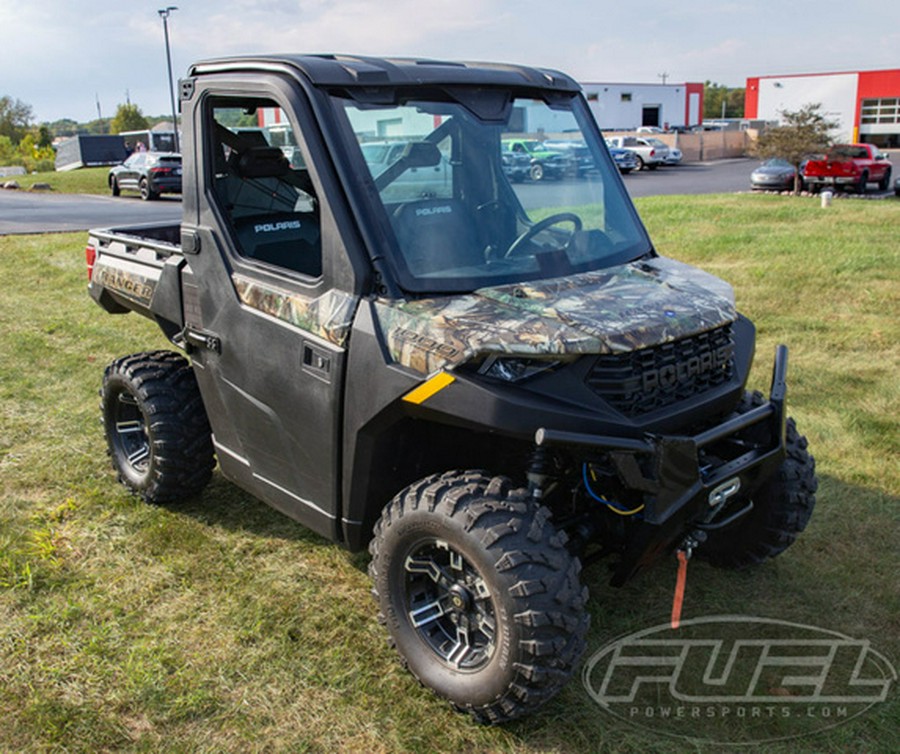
[{"x": 26, "y": 143}]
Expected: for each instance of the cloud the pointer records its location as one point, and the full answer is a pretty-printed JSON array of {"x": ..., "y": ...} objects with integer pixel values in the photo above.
[
  {"x": 56, "y": 54},
  {"x": 358, "y": 26}
]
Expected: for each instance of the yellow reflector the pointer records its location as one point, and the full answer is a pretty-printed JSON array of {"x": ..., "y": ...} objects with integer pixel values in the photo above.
[{"x": 429, "y": 388}]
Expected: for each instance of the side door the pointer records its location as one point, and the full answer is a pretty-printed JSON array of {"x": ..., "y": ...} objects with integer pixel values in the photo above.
[
  {"x": 130, "y": 176},
  {"x": 268, "y": 300}
]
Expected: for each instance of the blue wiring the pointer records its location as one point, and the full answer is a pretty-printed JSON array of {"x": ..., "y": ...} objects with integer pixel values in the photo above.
[{"x": 587, "y": 486}]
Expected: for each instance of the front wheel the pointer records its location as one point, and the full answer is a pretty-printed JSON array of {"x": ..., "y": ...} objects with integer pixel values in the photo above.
[
  {"x": 114, "y": 186},
  {"x": 156, "y": 426},
  {"x": 885, "y": 183},
  {"x": 781, "y": 508},
  {"x": 479, "y": 594}
]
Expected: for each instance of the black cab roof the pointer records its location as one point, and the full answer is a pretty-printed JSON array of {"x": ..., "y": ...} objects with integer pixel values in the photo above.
[{"x": 356, "y": 70}]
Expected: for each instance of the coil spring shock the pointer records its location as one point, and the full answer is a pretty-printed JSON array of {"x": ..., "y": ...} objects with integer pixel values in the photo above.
[{"x": 539, "y": 471}]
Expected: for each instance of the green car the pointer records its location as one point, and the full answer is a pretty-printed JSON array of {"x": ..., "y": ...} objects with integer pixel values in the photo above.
[{"x": 545, "y": 163}]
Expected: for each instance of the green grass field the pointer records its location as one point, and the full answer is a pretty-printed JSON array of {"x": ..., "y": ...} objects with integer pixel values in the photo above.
[
  {"x": 221, "y": 626},
  {"x": 83, "y": 181}
]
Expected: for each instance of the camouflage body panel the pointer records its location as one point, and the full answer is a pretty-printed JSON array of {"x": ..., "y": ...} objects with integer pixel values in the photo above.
[
  {"x": 618, "y": 310},
  {"x": 329, "y": 316},
  {"x": 126, "y": 279}
]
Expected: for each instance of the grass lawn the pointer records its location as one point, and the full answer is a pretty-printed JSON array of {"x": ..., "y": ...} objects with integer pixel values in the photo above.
[
  {"x": 83, "y": 181},
  {"x": 221, "y": 626}
]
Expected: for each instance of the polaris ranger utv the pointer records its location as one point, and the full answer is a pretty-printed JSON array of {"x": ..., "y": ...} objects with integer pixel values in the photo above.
[{"x": 487, "y": 384}]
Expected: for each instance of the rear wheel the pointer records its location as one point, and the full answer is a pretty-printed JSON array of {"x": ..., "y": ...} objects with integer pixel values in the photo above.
[
  {"x": 156, "y": 427},
  {"x": 781, "y": 508},
  {"x": 114, "y": 186},
  {"x": 147, "y": 193},
  {"x": 638, "y": 163},
  {"x": 479, "y": 594}
]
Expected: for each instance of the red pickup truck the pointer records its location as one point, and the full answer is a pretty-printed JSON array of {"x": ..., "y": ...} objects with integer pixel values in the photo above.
[{"x": 849, "y": 165}]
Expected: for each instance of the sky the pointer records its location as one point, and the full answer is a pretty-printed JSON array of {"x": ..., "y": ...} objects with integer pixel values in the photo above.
[{"x": 62, "y": 57}]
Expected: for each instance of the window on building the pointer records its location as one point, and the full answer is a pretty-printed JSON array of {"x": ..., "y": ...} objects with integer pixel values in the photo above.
[
  {"x": 626, "y": 96},
  {"x": 880, "y": 111}
]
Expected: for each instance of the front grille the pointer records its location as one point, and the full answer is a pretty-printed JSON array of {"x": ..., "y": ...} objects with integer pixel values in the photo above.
[{"x": 641, "y": 381}]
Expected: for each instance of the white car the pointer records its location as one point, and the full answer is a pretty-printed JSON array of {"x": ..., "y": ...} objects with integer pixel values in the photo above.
[
  {"x": 673, "y": 154},
  {"x": 647, "y": 156}
]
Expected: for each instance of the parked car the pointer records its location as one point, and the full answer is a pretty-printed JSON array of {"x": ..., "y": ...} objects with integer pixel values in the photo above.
[
  {"x": 577, "y": 151},
  {"x": 773, "y": 174},
  {"x": 647, "y": 156},
  {"x": 545, "y": 163},
  {"x": 625, "y": 159},
  {"x": 150, "y": 173},
  {"x": 849, "y": 166},
  {"x": 673, "y": 154},
  {"x": 516, "y": 166}
]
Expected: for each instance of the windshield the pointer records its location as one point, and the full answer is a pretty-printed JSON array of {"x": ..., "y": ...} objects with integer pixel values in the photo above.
[{"x": 479, "y": 189}]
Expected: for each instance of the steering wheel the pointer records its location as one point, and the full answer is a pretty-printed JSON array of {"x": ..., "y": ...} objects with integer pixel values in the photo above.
[{"x": 547, "y": 222}]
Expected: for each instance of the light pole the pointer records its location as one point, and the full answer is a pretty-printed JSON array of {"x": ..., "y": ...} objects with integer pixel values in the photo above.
[{"x": 164, "y": 14}]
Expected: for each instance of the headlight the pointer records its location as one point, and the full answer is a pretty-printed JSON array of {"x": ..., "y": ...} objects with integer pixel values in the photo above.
[{"x": 515, "y": 368}]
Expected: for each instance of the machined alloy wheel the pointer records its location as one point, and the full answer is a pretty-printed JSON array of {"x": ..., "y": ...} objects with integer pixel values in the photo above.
[
  {"x": 479, "y": 594},
  {"x": 146, "y": 192},
  {"x": 449, "y": 605}
]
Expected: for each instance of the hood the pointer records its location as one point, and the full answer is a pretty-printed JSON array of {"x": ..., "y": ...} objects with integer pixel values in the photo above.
[{"x": 621, "y": 309}]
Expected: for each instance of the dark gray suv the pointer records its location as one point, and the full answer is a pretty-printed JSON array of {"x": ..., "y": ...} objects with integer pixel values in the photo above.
[{"x": 150, "y": 173}]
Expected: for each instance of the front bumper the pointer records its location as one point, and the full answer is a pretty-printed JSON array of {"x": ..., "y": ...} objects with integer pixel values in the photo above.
[
  {"x": 686, "y": 481},
  {"x": 771, "y": 182}
]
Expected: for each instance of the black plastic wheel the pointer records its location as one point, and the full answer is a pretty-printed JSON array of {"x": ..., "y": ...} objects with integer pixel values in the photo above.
[
  {"x": 781, "y": 508},
  {"x": 156, "y": 427},
  {"x": 479, "y": 594}
]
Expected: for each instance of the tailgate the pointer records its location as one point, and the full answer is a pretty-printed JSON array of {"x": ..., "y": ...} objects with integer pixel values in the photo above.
[{"x": 137, "y": 269}]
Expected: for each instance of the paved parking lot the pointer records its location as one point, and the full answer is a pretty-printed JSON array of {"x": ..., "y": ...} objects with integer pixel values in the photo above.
[{"x": 26, "y": 212}]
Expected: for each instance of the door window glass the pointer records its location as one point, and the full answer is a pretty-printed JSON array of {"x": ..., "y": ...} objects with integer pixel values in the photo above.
[{"x": 262, "y": 185}]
